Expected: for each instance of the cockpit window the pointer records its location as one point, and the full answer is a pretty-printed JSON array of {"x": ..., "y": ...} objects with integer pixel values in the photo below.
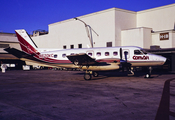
[
  {"x": 144, "y": 51},
  {"x": 137, "y": 52}
]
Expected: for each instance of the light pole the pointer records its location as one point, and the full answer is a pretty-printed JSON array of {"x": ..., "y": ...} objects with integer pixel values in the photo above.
[{"x": 88, "y": 31}]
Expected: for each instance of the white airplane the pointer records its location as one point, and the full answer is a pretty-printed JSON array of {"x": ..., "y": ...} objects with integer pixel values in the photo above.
[{"x": 90, "y": 60}]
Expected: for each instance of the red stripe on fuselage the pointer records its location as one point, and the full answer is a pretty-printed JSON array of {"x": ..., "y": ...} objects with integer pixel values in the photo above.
[{"x": 50, "y": 60}]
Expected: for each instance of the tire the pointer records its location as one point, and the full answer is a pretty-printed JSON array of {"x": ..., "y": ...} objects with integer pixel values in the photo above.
[
  {"x": 147, "y": 76},
  {"x": 95, "y": 74},
  {"x": 87, "y": 76}
]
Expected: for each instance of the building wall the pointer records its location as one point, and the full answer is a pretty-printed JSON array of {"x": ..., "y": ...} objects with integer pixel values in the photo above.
[
  {"x": 45, "y": 41},
  {"x": 8, "y": 40},
  {"x": 121, "y": 27},
  {"x": 159, "y": 19},
  {"x": 170, "y": 43},
  {"x": 124, "y": 19},
  {"x": 73, "y": 32},
  {"x": 137, "y": 37},
  {"x": 107, "y": 24},
  {"x": 173, "y": 39}
]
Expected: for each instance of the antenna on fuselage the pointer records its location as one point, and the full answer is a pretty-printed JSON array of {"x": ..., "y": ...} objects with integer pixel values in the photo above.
[{"x": 88, "y": 31}]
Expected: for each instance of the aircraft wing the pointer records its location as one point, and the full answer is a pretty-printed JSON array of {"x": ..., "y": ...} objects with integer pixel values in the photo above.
[
  {"x": 81, "y": 59},
  {"x": 16, "y": 52}
]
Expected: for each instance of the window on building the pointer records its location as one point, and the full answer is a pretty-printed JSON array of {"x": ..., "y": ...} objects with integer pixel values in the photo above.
[
  {"x": 109, "y": 44},
  {"x": 106, "y": 53},
  {"x": 79, "y": 45},
  {"x": 64, "y": 47},
  {"x": 72, "y": 46},
  {"x": 115, "y": 53},
  {"x": 98, "y": 54}
]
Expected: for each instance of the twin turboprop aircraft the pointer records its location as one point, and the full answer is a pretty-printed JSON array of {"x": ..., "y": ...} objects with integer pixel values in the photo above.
[{"x": 90, "y": 60}]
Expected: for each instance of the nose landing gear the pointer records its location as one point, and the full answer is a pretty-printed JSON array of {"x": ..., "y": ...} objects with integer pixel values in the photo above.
[{"x": 148, "y": 74}]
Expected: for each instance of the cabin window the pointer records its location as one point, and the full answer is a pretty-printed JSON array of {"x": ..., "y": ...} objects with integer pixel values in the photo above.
[
  {"x": 55, "y": 56},
  {"x": 115, "y": 53},
  {"x": 63, "y": 55},
  {"x": 72, "y": 53},
  {"x": 90, "y": 54},
  {"x": 106, "y": 53},
  {"x": 137, "y": 52},
  {"x": 98, "y": 54}
]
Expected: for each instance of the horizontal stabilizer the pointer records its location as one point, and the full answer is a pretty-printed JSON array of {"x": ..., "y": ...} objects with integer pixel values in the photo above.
[{"x": 16, "y": 52}]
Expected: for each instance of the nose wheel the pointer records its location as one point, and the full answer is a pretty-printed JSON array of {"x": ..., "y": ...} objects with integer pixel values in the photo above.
[{"x": 149, "y": 70}]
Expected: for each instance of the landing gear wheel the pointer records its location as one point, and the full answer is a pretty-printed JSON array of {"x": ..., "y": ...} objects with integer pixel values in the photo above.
[
  {"x": 147, "y": 76},
  {"x": 87, "y": 76},
  {"x": 95, "y": 74}
]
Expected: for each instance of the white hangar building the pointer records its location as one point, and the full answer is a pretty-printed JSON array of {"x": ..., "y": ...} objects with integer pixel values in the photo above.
[{"x": 115, "y": 27}]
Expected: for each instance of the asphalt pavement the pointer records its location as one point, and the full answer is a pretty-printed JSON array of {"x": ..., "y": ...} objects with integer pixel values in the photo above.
[{"x": 65, "y": 95}]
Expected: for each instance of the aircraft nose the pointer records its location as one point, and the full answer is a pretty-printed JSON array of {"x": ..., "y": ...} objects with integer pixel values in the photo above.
[{"x": 163, "y": 59}]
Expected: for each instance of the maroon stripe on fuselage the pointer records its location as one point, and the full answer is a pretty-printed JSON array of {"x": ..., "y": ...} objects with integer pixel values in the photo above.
[
  {"x": 53, "y": 60},
  {"x": 47, "y": 60}
]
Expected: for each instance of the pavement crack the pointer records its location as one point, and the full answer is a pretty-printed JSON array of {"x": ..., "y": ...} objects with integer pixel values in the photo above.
[{"x": 27, "y": 110}]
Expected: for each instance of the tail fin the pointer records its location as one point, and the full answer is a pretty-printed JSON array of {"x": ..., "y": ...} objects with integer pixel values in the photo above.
[{"x": 26, "y": 43}]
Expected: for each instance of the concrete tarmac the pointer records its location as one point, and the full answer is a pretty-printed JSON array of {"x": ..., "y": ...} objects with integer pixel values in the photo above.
[{"x": 65, "y": 95}]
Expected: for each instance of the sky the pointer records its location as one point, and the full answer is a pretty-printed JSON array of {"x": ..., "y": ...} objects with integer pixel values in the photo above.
[{"x": 32, "y": 15}]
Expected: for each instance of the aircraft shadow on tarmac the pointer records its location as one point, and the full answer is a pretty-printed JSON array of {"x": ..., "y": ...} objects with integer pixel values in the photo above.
[
  {"x": 164, "y": 112},
  {"x": 107, "y": 74}
]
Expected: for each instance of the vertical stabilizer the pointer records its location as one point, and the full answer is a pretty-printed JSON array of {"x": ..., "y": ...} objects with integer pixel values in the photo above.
[{"x": 26, "y": 43}]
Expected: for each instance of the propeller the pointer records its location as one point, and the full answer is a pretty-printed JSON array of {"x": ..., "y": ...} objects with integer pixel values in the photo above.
[
  {"x": 120, "y": 53},
  {"x": 121, "y": 56},
  {"x": 124, "y": 63}
]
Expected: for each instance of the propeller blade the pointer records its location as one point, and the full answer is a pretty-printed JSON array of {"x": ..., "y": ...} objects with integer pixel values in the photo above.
[{"x": 120, "y": 53}]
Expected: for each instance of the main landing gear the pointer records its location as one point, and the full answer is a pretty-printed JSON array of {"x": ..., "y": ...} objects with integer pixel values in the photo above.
[{"x": 88, "y": 75}]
